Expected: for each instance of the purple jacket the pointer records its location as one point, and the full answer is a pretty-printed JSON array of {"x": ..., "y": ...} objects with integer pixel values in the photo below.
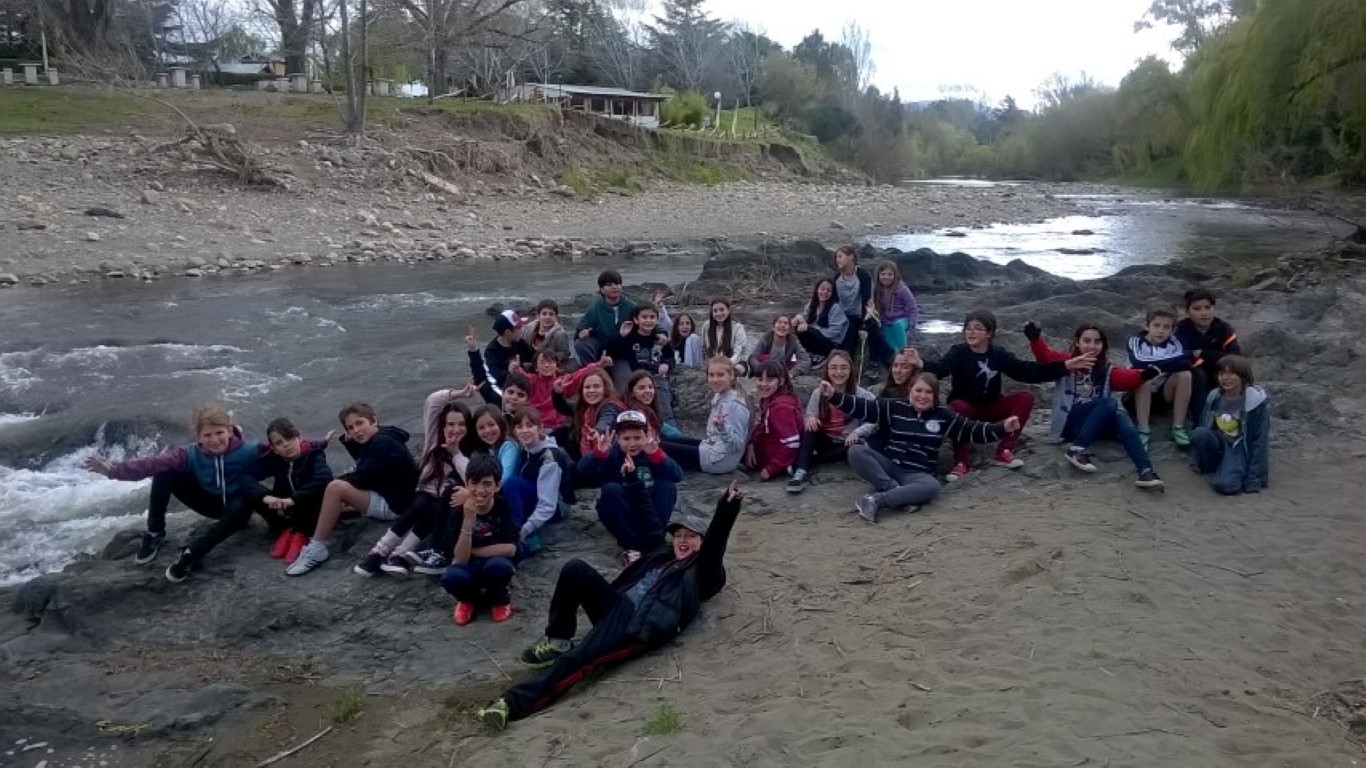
[{"x": 897, "y": 304}]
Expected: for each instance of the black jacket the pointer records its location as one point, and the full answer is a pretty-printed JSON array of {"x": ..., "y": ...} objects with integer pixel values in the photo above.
[
  {"x": 674, "y": 600},
  {"x": 643, "y": 351},
  {"x": 384, "y": 466},
  {"x": 977, "y": 377},
  {"x": 1212, "y": 345},
  {"x": 303, "y": 479},
  {"x": 491, "y": 368}
]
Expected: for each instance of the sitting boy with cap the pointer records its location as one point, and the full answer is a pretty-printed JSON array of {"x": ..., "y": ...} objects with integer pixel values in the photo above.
[
  {"x": 633, "y": 458},
  {"x": 649, "y": 604},
  {"x": 503, "y": 353}
]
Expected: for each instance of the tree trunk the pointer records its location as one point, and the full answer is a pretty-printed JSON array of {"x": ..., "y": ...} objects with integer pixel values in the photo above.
[
  {"x": 296, "y": 29},
  {"x": 441, "y": 65}
]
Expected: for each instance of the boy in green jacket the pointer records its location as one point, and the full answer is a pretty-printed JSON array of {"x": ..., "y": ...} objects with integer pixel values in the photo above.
[{"x": 603, "y": 320}]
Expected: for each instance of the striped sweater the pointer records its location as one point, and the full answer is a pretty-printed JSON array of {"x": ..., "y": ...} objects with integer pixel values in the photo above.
[{"x": 913, "y": 437}]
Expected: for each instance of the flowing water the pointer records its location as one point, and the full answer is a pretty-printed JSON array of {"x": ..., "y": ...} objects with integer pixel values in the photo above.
[{"x": 117, "y": 367}]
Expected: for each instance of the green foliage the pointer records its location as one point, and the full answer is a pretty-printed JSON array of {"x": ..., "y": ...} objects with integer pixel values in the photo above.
[
  {"x": 690, "y": 170},
  {"x": 349, "y": 706},
  {"x": 574, "y": 178},
  {"x": 688, "y": 108},
  {"x": 663, "y": 721},
  {"x": 618, "y": 177}
]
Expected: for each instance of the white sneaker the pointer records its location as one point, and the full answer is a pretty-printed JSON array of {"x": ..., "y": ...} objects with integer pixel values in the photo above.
[{"x": 312, "y": 556}]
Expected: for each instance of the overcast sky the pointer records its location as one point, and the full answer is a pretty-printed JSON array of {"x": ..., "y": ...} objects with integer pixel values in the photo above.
[{"x": 998, "y": 47}]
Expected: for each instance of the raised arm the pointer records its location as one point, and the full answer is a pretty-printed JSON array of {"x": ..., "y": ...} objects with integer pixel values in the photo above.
[{"x": 711, "y": 570}]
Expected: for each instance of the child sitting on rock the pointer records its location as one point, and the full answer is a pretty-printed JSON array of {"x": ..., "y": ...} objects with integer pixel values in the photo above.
[
  {"x": 780, "y": 345},
  {"x": 1232, "y": 448},
  {"x": 383, "y": 481},
  {"x": 823, "y": 327},
  {"x": 601, "y": 324},
  {"x": 978, "y": 368},
  {"x": 902, "y": 472},
  {"x": 299, "y": 474},
  {"x": 1084, "y": 409},
  {"x": 646, "y": 606},
  {"x": 633, "y": 456},
  {"x": 775, "y": 436},
  {"x": 829, "y": 432},
  {"x": 896, "y": 308},
  {"x": 594, "y": 410},
  {"x": 724, "y": 336},
  {"x": 543, "y": 478},
  {"x": 1206, "y": 339},
  {"x": 643, "y": 346},
  {"x": 214, "y": 476},
  {"x": 484, "y": 557},
  {"x": 1156, "y": 346},
  {"x": 547, "y": 335},
  {"x": 727, "y": 435},
  {"x": 642, "y": 395},
  {"x": 686, "y": 342}
]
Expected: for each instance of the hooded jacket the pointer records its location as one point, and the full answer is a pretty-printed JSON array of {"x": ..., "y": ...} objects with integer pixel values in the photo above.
[
  {"x": 777, "y": 433},
  {"x": 1255, "y": 440},
  {"x": 227, "y": 474},
  {"x": 384, "y": 466},
  {"x": 303, "y": 479},
  {"x": 727, "y": 434},
  {"x": 1212, "y": 344},
  {"x": 604, "y": 320},
  {"x": 547, "y": 467},
  {"x": 605, "y": 468},
  {"x": 670, "y": 606},
  {"x": 793, "y": 357},
  {"x": 555, "y": 341},
  {"x": 643, "y": 351},
  {"x": 492, "y": 367},
  {"x": 1113, "y": 379},
  {"x": 897, "y": 303},
  {"x": 977, "y": 377}
]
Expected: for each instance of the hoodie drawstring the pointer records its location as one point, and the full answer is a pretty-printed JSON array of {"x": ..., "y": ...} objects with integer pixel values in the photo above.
[{"x": 222, "y": 483}]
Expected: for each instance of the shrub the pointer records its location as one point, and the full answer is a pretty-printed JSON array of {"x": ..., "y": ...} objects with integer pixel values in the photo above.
[{"x": 688, "y": 108}]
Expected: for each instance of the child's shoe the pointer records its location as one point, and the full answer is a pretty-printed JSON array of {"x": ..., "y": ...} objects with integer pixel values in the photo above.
[
  {"x": 959, "y": 471},
  {"x": 312, "y": 556},
  {"x": 369, "y": 566},
  {"x": 180, "y": 569},
  {"x": 495, "y": 715},
  {"x": 1180, "y": 436},
  {"x": 463, "y": 613},
  {"x": 501, "y": 612},
  {"x": 1148, "y": 479},
  {"x": 281, "y": 546},
  {"x": 395, "y": 565},
  {"x": 296, "y": 545},
  {"x": 1081, "y": 459},
  {"x": 799, "y": 482},
  {"x": 544, "y": 653},
  {"x": 1006, "y": 458}
]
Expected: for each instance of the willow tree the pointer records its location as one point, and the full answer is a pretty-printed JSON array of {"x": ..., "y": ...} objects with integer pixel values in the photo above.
[{"x": 1280, "y": 94}]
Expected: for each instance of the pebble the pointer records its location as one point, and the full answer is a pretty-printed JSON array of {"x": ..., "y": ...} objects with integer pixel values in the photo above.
[{"x": 93, "y": 237}]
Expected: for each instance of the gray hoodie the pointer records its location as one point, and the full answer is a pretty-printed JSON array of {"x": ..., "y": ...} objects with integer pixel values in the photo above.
[
  {"x": 727, "y": 433},
  {"x": 547, "y": 484}
]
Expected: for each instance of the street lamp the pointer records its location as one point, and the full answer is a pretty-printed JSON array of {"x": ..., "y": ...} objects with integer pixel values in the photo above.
[{"x": 717, "y": 96}]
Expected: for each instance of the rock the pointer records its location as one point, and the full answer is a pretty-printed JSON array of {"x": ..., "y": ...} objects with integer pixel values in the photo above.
[
  {"x": 1082, "y": 232},
  {"x": 837, "y": 225},
  {"x": 92, "y": 237},
  {"x": 562, "y": 191},
  {"x": 197, "y": 261},
  {"x": 1079, "y": 251},
  {"x": 115, "y": 273},
  {"x": 1275, "y": 283},
  {"x": 30, "y": 224},
  {"x": 156, "y": 186},
  {"x": 150, "y": 197},
  {"x": 955, "y": 233},
  {"x": 193, "y": 273}
]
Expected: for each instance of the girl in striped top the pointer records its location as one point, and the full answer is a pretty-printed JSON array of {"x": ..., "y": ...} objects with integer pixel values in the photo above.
[{"x": 903, "y": 472}]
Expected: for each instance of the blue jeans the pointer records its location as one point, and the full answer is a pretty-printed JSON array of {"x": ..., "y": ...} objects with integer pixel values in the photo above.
[
  {"x": 481, "y": 579},
  {"x": 1102, "y": 417},
  {"x": 1224, "y": 465},
  {"x": 634, "y": 528}
]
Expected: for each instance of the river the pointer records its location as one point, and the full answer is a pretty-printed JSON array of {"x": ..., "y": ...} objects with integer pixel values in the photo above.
[{"x": 116, "y": 367}]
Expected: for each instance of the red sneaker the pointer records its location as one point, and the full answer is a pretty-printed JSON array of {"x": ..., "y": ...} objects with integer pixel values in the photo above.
[
  {"x": 1006, "y": 458},
  {"x": 958, "y": 472},
  {"x": 281, "y": 546},
  {"x": 297, "y": 542},
  {"x": 501, "y": 612},
  {"x": 463, "y": 613}
]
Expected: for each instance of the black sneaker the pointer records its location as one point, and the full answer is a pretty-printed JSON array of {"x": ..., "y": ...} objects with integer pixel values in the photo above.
[
  {"x": 544, "y": 653},
  {"x": 150, "y": 547},
  {"x": 370, "y": 565},
  {"x": 432, "y": 563},
  {"x": 180, "y": 569},
  {"x": 395, "y": 565},
  {"x": 1081, "y": 459},
  {"x": 799, "y": 482},
  {"x": 1148, "y": 479}
]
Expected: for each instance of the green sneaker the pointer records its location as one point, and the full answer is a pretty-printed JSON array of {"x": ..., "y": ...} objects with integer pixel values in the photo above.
[
  {"x": 1145, "y": 437},
  {"x": 1180, "y": 436},
  {"x": 544, "y": 653},
  {"x": 495, "y": 715}
]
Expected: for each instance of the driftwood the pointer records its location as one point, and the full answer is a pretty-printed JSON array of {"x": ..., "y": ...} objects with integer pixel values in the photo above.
[{"x": 214, "y": 147}]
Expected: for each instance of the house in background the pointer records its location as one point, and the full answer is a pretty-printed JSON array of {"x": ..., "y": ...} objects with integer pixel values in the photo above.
[
  {"x": 254, "y": 64},
  {"x": 633, "y": 107}
]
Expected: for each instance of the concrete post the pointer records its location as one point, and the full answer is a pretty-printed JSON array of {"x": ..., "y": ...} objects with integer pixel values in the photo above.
[
  {"x": 298, "y": 83},
  {"x": 178, "y": 77},
  {"x": 30, "y": 73},
  {"x": 52, "y": 78},
  {"x": 163, "y": 80},
  {"x": 282, "y": 84},
  {"x": 6, "y": 76},
  {"x": 315, "y": 86},
  {"x": 194, "y": 82},
  {"x": 262, "y": 84}
]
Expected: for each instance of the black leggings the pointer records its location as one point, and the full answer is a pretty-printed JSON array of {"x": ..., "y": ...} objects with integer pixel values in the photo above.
[
  {"x": 683, "y": 450},
  {"x": 425, "y": 515},
  {"x": 820, "y": 448}
]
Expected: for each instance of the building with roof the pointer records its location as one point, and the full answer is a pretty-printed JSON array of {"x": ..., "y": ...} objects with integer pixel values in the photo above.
[{"x": 635, "y": 107}]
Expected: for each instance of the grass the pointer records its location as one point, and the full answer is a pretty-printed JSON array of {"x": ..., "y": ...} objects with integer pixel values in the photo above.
[
  {"x": 349, "y": 706},
  {"x": 43, "y": 111},
  {"x": 690, "y": 170},
  {"x": 574, "y": 178},
  {"x": 1242, "y": 277},
  {"x": 1166, "y": 173},
  {"x": 664, "y": 721}
]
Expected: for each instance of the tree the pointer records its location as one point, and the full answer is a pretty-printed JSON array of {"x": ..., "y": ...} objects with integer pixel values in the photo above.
[
  {"x": 296, "y": 20},
  {"x": 355, "y": 65},
  {"x": 618, "y": 38},
  {"x": 687, "y": 41},
  {"x": 1060, "y": 88},
  {"x": 448, "y": 24},
  {"x": 858, "y": 42},
  {"x": 1199, "y": 20},
  {"x": 747, "y": 50},
  {"x": 788, "y": 86}
]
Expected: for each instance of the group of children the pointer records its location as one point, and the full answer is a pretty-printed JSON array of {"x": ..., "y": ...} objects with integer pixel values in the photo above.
[{"x": 593, "y": 409}]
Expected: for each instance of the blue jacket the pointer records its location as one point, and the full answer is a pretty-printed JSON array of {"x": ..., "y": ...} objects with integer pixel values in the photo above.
[
  {"x": 606, "y": 468},
  {"x": 1255, "y": 440}
]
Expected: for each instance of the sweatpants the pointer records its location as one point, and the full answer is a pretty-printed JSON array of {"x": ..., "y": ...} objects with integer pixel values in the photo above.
[
  {"x": 1019, "y": 404},
  {"x": 1102, "y": 417},
  {"x": 683, "y": 450},
  {"x": 893, "y": 484},
  {"x": 820, "y": 448},
  {"x": 578, "y": 586},
  {"x": 1223, "y": 464},
  {"x": 481, "y": 580},
  {"x": 636, "y": 529},
  {"x": 231, "y": 517}
]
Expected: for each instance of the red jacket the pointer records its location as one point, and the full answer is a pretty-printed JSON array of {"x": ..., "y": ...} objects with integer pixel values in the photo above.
[
  {"x": 1121, "y": 379},
  {"x": 776, "y": 435}
]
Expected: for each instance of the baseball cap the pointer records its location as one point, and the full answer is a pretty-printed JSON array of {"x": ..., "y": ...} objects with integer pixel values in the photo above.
[
  {"x": 697, "y": 525},
  {"x": 632, "y": 419},
  {"x": 507, "y": 320}
]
